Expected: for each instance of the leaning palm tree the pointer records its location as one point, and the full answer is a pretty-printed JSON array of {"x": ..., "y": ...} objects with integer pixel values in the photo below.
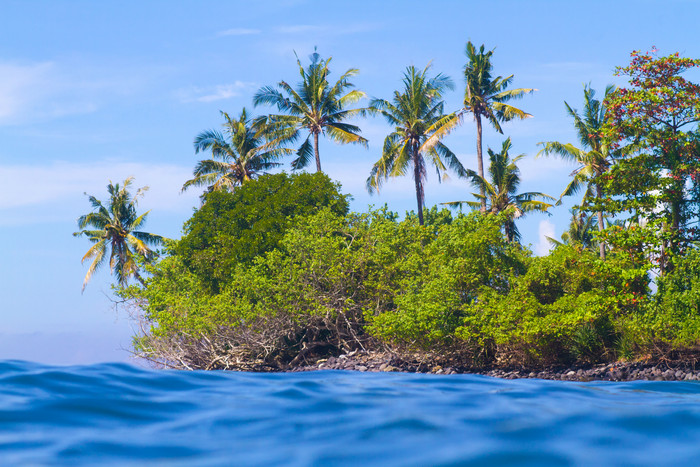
[
  {"x": 487, "y": 97},
  {"x": 316, "y": 107},
  {"x": 594, "y": 159},
  {"x": 247, "y": 150},
  {"x": 417, "y": 114},
  {"x": 115, "y": 230},
  {"x": 501, "y": 191}
]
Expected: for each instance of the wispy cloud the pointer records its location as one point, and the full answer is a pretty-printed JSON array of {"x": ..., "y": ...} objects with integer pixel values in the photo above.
[
  {"x": 239, "y": 32},
  {"x": 213, "y": 93},
  {"x": 31, "y": 194},
  {"x": 31, "y": 92}
]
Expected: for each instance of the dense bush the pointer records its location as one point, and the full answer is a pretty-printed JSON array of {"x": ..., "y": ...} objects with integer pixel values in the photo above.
[
  {"x": 329, "y": 282},
  {"x": 568, "y": 306},
  {"x": 235, "y": 228}
]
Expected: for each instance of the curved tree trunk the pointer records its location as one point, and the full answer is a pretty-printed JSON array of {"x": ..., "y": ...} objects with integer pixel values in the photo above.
[
  {"x": 480, "y": 160},
  {"x": 599, "y": 196},
  {"x": 318, "y": 157}
]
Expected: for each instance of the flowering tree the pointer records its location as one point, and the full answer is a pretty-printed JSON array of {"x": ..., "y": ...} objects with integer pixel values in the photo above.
[{"x": 658, "y": 113}]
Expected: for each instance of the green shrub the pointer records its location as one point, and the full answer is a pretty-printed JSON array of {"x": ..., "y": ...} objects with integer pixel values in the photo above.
[{"x": 235, "y": 228}]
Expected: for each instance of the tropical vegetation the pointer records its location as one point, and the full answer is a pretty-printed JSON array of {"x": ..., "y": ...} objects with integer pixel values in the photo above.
[
  {"x": 417, "y": 113},
  {"x": 274, "y": 270},
  {"x": 500, "y": 194},
  {"x": 113, "y": 233},
  {"x": 250, "y": 149},
  {"x": 487, "y": 97},
  {"x": 317, "y": 107},
  {"x": 594, "y": 159}
]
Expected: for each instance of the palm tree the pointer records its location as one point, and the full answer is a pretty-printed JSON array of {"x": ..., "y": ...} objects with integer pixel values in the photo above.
[
  {"x": 115, "y": 229},
  {"x": 594, "y": 159},
  {"x": 417, "y": 114},
  {"x": 579, "y": 232},
  {"x": 487, "y": 97},
  {"x": 317, "y": 107},
  {"x": 501, "y": 194},
  {"x": 246, "y": 152}
]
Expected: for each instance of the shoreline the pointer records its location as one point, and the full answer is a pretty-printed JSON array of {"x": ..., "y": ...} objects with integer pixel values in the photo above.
[{"x": 363, "y": 361}]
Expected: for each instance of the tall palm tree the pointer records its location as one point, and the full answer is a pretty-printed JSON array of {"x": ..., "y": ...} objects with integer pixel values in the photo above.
[
  {"x": 115, "y": 230},
  {"x": 247, "y": 150},
  {"x": 317, "y": 107},
  {"x": 501, "y": 191},
  {"x": 417, "y": 114},
  {"x": 487, "y": 97},
  {"x": 595, "y": 156}
]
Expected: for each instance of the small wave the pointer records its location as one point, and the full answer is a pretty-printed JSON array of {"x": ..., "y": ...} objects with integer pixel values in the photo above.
[{"x": 121, "y": 414}]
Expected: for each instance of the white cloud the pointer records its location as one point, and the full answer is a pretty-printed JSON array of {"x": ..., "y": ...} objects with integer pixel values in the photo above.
[
  {"x": 546, "y": 229},
  {"x": 239, "y": 32},
  {"x": 31, "y": 92},
  {"x": 213, "y": 93},
  {"x": 31, "y": 194}
]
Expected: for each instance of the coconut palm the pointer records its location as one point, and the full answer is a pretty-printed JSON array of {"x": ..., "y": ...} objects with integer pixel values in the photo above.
[
  {"x": 501, "y": 191},
  {"x": 487, "y": 97},
  {"x": 595, "y": 156},
  {"x": 579, "y": 232},
  {"x": 417, "y": 114},
  {"x": 247, "y": 150},
  {"x": 316, "y": 107},
  {"x": 115, "y": 230}
]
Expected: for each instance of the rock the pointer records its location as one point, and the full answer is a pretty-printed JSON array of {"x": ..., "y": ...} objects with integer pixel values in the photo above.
[
  {"x": 571, "y": 373},
  {"x": 383, "y": 366}
]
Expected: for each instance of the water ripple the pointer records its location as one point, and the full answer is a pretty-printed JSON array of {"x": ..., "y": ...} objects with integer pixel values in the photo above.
[{"x": 121, "y": 414}]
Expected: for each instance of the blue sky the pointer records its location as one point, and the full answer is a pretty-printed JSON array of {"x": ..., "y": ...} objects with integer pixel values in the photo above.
[{"x": 98, "y": 91}]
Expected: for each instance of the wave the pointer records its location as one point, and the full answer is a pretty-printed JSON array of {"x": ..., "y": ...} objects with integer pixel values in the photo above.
[{"x": 122, "y": 414}]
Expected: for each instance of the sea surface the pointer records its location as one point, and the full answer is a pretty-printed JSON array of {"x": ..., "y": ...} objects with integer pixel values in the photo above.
[{"x": 118, "y": 414}]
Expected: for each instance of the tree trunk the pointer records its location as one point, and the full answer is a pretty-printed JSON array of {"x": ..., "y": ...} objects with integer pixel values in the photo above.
[
  {"x": 599, "y": 196},
  {"x": 318, "y": 157},
  {"x": 419, "y": 184},
  {"x": 139, "y": 278},
  {"x": 480, "y": 160}
]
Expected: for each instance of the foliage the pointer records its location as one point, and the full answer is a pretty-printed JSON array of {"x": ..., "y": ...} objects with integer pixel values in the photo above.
[
  {"x": 566, "y": 307},
  {"x": 115, "y": 230},
  {"x": 500, "y": 193},
  {"x": 674, "y": 320},
  {"x": 315, "y": 106},
  {"x": 250, "y": 150},
  {"x": 277, "y": 273},
  {"x": 418, "y": 118},
  {"x": 233, "y": 228},
  {"x": 596, "y": 156},
  {"x": 488, "y": 97},
  {"x": 468, "y": 256},
  {"x": 657, "y": 113}
]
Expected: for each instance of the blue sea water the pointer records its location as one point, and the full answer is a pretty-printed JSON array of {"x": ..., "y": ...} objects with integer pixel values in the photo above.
[{"x": 124, "y": 415}]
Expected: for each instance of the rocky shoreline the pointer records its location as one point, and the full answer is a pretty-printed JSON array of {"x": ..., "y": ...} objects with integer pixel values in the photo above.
[{"x": 618, "y": 371}]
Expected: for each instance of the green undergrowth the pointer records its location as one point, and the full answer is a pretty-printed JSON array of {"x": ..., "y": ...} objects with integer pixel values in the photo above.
[{"x": 248, "y": 289}]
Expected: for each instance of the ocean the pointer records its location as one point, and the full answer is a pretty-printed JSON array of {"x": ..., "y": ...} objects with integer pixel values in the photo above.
[{"x": 118, "y": 414}]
